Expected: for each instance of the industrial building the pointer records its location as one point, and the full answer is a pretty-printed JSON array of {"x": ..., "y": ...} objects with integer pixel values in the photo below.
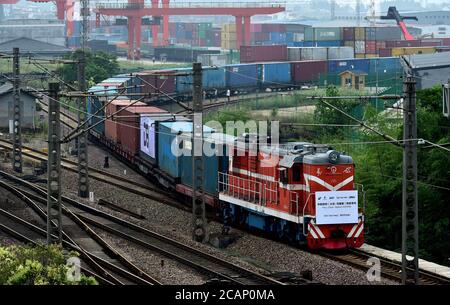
[
  {"x": 6, "y": 107},
  {"x": 33, "y": 47},
  {"x": 49, "y": 31},
  {"x": 429, "y": 69}
]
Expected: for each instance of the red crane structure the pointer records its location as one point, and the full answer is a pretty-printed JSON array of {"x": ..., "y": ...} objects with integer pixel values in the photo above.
[
  {"x": 64, "y": 11},
  {"x": 135, "y": 10},
  {"x": 395, "y": 15}
]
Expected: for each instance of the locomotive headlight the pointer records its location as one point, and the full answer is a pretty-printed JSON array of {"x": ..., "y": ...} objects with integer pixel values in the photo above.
[{"x": 333, "y": 156}]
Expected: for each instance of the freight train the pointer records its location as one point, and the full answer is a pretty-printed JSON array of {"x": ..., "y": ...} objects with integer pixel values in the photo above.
[
  {"x": 251, "y": 77},
  {"x": 301, "y": 192}
]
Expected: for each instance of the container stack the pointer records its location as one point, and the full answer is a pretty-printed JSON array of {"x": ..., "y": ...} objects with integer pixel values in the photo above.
[
  {"x": 228, "y": 36},
  {"x": 323, "y": 37},
  {"x": 319, "y": 53},
  {"x": 263, "y": 53}
]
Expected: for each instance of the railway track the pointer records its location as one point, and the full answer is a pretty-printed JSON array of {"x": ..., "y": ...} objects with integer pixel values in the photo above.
[
  {"x": 78, "y": 236},
  {"x": 389, "y": 269},
  {"x": 145, "y": 190},
  {"x": 66, "y": 119},
  {"x": 202, "y": 262}
]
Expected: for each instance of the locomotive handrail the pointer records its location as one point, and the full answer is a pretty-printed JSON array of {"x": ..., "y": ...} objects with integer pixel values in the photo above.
[
  {"x": 240, "y": 188},
  {"x": 303, "y": 214}
]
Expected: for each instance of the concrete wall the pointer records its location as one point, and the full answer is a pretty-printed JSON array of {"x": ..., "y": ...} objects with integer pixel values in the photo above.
[
  {"x": 28, "y": 110},
  {"x": 432, "y": 77}
]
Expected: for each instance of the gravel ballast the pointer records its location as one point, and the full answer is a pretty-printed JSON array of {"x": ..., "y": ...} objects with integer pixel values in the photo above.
[{"x": 250, "y": 251}]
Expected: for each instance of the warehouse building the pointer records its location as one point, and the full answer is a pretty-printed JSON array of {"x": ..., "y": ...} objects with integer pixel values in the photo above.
[
  {"x": 33, "y": 47},
  {"x": 429, "y": 69},
  {"x": 28, "y": 102},
  {"x": 49, "y": 31}
]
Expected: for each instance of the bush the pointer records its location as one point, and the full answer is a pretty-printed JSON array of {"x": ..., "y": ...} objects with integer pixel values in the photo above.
[{"x": 40, "y": 265}]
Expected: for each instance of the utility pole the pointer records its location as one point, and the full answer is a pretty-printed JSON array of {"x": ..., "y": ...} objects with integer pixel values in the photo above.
[
  {"x": 410, "y": 225},
  {"x": 333, "y": 9},
  {"x": 85, "y": 13},
  {"x": 358, "y": 12},
  {"x": 200, "y": 225},
  {"x": 54, "y": 225},
  {"x": 83, "y": 176},
  {"x": 17, "y": 114}
]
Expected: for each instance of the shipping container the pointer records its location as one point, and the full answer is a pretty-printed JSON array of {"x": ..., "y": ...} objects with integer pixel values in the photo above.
[
  {"x": 313, "y": 54},
  {"x": 340, "y": 52},
  {"x": 308, "y": 71},
  {"x": 328, "y": 43},
  {"x": 241, "y": 75},
  {"x": 360, "y": 55},
  {"x": 387, "y": 33},
  {"x": 173, "y": 135},
  {"x": 151, "y": 82},
  {"x": 213, "y": 59},
  {"x": 263, "y": 53},
  {"x": 148, "y": 135},
  {"x": 411, "y": 51},
  {"x": 214, "y": 78},
  {"x": 323, "y": 34},
  {"x": 348, "y": 34},
  {"x": 112, "y": 110},
  {"x": 387, "y": 52},
  {"x": 371, "y": 47},
  {"x": 402, "y": 43},
  {"x": 338, "y": 66},
  {"x": 431, "y": 42},
  {"x": 371, "y": 33},
  {"x": 95, "y": 106},
  {"x": 276, "y": 74},
  {"x": 128, "y": 123},
  {"x": 360, "y": 47},
  {"x": 360, "y": 33},
  {"x": 349, "y": 43},
  {"x": 386, "y": 65}
]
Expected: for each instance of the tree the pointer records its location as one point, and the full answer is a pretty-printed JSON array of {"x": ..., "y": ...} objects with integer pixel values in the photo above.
[
  {"x": 325, "y": 115},
  {"x": 379, "y": 168},
  {"x": 40, "y": 265},
  {"x": 99, "y": 66}
]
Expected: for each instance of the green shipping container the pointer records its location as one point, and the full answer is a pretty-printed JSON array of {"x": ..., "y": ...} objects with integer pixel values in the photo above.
[{"x": 323, "y": 34}]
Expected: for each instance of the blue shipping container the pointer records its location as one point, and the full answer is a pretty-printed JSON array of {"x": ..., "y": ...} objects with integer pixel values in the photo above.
[
  {"x": 214, "y": 79},
  {"x": 241, "y": 75},
  {"x": 330, "y": 43},
  {"x": 276, "y": 73},
  {"x": 94, "y": 104},
  {"x": 183, "y": 84},
  {"x": 385, "y": 65},
  {"x": 339, "y": 66},
  {"x": 174, "y": 134}
]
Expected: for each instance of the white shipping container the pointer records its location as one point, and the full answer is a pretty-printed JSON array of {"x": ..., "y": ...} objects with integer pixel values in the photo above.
[
  {"x": 360, "y": 46},
  {"x": 294, "y": 54},
  {"x": 299, "y": 36},
  {"x": 317, "y": 53},
  {"x": 212, "y": 59},
  {"x": 341, "y": 52}
]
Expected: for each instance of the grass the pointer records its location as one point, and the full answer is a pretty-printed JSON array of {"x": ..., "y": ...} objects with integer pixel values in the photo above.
[{"x": 127, "y": 66}]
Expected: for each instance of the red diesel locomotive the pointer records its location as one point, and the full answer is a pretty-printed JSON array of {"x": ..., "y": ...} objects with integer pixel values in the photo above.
[{"x": 298, "y": 191}]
